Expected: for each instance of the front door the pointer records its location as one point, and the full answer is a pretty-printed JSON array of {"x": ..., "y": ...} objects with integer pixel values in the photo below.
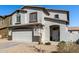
[{"x": 54, "y": 33}]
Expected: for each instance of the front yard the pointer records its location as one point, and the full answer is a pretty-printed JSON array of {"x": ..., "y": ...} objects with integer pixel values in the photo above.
[{"x": 19, "y": 47}]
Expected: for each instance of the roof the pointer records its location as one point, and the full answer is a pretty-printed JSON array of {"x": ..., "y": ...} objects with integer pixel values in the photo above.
[
  {"x": 55, "y": 10},
  {"x": 73, "y": 28},
  {"x": 3, "y": 27},
  {"x": 41, "y": 8},
  {"x": 46, "y": 11},
  {"x": 1, "y": 16},
  {"x": 19, "y": 10},
  {"x": 13, "y": 13},
  {"x": 37, "y": 8},
  {"x": 4, "y": 16}
]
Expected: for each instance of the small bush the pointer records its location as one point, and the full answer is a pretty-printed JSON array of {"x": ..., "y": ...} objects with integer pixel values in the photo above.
[
  {"x": 68, "y": 47},
  {"x": 61, "y": 46},
  {"x": 77, "y": 42},
  {"x": 62, "y": 43},
  {"x": 47, "y": 43}
]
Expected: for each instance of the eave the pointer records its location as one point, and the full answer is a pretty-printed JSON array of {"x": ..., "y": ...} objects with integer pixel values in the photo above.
[
  {"x": 56, "y": 20},
  {"x": 26, "y": 25}
]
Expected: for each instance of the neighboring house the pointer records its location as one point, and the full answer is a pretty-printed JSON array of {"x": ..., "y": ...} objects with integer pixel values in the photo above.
[
  {"x": 33, "y": 24},
  {"x": 4, "y": 24}
]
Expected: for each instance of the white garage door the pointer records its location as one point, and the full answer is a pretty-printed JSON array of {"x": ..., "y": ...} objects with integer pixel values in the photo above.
[{"x": 22, "y": 36}]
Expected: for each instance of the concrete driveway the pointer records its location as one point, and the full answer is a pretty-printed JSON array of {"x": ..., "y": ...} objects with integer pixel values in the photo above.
[
  {"x": 19, "y": 47},
  {"x": 15, "y": 47},
  {"x": 8, "y": 45}
]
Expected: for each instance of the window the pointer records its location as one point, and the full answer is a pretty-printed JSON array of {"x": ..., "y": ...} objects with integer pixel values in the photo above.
[
  {"x": 18, "y": 20},
  {"x": 33, "y": 17},
  {"x": 57, "y": 16}
]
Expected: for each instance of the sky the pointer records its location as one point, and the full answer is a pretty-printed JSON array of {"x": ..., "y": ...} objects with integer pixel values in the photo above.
[{"x": 73, "y": 9}]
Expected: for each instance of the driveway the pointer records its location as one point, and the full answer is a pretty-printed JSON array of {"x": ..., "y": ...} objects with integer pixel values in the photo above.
[
  {"x": 17, "y": 47},
  {"x": 8, "y": 45}
]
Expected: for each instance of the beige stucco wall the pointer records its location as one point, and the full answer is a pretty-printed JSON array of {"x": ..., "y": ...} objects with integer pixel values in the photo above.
[
  {"x": 46, "y": 30},
  {"x": 25, "y": 16},
  {"x": 74, "y": 36},
  {"x": 65, "y": 35},
  {"x": 62, "y": 16}
]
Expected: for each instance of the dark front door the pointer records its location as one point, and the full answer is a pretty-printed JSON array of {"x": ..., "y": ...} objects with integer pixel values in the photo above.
[{"x": 54, "y": 33}]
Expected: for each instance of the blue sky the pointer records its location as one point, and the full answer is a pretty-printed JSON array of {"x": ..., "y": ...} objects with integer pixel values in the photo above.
[{"x": 73, "y": 9}]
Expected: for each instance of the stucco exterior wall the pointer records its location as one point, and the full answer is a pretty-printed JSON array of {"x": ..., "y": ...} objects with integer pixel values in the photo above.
[
  {"x": 74, "y": 36},
  {"x": 46, "y": 31},
  {"x": 65, "y": 35},
  {"x": 25, "y": 16},
  {"x": 62, "y": 16},
  {"x": 23, "y": 20}
]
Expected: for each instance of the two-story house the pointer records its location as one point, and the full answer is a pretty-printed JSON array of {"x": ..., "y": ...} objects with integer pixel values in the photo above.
[{"x": 33, "y": 24}]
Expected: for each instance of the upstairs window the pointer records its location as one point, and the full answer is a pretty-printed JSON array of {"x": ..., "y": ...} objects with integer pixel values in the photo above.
[
  {"x": 33, "y": 17},
  {"x": 18, "y": 19},
  {"x": 56, "y": 16}
]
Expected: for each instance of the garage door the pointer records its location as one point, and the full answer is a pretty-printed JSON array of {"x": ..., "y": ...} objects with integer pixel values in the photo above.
[{"x": 22, "y": 36}]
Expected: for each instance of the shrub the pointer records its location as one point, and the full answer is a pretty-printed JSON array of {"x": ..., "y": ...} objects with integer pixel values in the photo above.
[
  {"x": 77, "y": 42},
  {"x": 62, "y": 43},
  {"x": 61, "y": 46},
  {"x": 68, "y": 47},
  {"x": 47, "y": 43}
]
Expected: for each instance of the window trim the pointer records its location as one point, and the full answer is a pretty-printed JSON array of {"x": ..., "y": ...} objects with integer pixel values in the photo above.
[
  {"x": 17, "y": 17},
  {"x": 31, "y": 20},
  {"x": 56, "y": 16}
]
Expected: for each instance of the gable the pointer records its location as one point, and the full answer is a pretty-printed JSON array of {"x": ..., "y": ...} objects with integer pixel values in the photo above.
[{"x": 48, "y": 12}]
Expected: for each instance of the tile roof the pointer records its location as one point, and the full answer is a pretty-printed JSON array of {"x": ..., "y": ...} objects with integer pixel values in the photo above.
[{"x": 73, "y": 28}]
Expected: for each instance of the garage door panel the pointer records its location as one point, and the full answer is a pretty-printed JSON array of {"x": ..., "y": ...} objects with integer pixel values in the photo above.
[{"x": 22, "y": 36}]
